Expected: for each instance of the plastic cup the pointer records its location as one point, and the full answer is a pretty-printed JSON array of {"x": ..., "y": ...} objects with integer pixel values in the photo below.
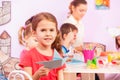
[{"x": 88, "y": 55}]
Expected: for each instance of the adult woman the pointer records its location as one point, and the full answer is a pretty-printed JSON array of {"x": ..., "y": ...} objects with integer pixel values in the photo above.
[{"x": 77, "y": 9}]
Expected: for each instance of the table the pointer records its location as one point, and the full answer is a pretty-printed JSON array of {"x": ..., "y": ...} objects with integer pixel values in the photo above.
[{"x": 88, "y": 74}]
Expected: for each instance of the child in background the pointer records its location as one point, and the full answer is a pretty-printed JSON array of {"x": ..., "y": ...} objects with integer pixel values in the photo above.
[
  {"x": 68, "y": 36},
  {"x": 114, "y": 32},
  {"x": 26, "y": 37},
  {"x": 45, "y": 29}
]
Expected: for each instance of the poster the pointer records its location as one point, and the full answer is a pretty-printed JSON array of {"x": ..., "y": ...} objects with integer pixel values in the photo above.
[{"x": 102, "y": 4}]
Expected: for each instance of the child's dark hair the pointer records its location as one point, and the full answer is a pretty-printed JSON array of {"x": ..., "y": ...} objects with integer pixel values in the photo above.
[
  {"x": 66, "y": 28},
  {"x": 48, "y": 16}
]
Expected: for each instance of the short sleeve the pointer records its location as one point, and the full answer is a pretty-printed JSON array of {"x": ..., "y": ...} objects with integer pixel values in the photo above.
[{"x": 25, "y": 61}]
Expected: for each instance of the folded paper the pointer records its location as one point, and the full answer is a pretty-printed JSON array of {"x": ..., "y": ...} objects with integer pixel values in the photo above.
[{"x": 51, "y": 64}]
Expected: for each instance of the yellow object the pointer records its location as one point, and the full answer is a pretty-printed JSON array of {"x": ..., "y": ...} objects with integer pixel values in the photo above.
[
  {"x": 109, "y": 58},
  {"x": 99, "y": 2},
  {"x": 92, "y": 66}
]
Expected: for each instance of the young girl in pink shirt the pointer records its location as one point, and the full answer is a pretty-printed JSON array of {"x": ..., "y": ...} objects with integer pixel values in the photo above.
[{"x": 45, "y": 29}]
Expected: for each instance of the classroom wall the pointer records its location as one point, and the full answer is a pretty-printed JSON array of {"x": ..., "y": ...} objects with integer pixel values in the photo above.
[{"x": 95, "y": 21}]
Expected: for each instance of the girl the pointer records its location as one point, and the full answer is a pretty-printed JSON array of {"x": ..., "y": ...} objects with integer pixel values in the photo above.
[
  {"x": 26, "y": 37},
  {"x": 116, "y": 35},
  {"x": 77, "y": 9},
  {"x": 45, "y": 29}
]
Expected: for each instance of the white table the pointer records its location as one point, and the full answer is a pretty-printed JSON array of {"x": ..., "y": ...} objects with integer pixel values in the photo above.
[{"x": 82, "y": 68}]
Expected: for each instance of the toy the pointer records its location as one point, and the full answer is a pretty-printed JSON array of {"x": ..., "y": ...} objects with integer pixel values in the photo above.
[{"x": 92, "y": 64}]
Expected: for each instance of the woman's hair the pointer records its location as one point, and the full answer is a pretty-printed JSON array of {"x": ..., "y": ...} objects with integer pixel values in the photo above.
[
  {"x": 48, "y": 16},
  {"x": 24, "y": 33},
  {"x": 117, "y": 44},
  {"x": 66, "y": 28},
  {"x": 76, "y": 3}
]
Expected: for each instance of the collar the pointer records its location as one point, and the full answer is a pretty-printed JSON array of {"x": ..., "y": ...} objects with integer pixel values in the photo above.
[
  {"x": 66, "y": 50},
  {"x": 74, "y": 20}
]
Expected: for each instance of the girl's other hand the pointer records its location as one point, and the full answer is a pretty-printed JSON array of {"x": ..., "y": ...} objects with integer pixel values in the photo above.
[{"x": 42, "y": 71}]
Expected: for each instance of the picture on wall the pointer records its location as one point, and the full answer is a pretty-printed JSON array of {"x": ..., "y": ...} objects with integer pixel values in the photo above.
[{"x": 102, "y": 4}]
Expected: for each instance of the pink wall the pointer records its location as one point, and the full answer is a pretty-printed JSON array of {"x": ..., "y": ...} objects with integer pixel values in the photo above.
[{"x": 95, "y": 21}]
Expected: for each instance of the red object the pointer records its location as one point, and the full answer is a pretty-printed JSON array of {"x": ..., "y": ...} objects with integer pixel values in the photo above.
[
  {"x": 100, "y": 61},
  {"x": 114, "y": 62},
  {"x": 78, "y": 74},
  {"x": 103, "y": 54}
]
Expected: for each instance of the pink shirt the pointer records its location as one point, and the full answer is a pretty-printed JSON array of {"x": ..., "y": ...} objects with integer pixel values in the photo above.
[{"x": 33, "y": 56}]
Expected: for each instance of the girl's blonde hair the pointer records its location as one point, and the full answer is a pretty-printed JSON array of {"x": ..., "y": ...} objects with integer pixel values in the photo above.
[
  {"x": 24, "y": 33},
  {"x": 48, "y": 16}
]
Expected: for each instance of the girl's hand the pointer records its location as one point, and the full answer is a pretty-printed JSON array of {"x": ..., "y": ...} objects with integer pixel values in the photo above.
[{"x": 42, "y": 71}]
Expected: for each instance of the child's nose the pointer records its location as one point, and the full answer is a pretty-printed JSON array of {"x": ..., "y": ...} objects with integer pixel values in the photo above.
[{"x": 48, "y": 32}]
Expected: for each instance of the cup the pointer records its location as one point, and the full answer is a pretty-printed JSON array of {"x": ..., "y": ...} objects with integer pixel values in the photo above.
[{"x": 88, "y": 55}]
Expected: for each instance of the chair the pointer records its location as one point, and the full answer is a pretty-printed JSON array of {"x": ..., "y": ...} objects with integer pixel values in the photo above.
[{"x": 19, "y": 75}]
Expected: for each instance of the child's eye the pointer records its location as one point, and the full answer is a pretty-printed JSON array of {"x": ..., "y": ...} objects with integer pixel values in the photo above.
[
  {"x": 42, "y": 30},
  {"x": 51, "y": 29}
]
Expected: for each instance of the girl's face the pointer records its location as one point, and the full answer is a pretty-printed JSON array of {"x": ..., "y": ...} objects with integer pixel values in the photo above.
[
  {"x": 46, "y": 32},
  {"x": 118, "y": 39},
  {"x": 79, "y": 11}
]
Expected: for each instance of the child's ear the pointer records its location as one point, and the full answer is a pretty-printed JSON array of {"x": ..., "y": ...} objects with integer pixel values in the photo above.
[
  {"x": 64, "y": 36},
  {"x": 33, "y": 32}
]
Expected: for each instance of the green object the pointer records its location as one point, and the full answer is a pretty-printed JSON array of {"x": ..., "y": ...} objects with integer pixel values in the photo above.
[
  {"x": 94, "y": 61},
  {"x": 89, "y": 62}
]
